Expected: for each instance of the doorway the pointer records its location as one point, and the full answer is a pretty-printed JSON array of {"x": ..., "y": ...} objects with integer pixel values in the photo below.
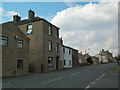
[{"x": 57, "y": 62}]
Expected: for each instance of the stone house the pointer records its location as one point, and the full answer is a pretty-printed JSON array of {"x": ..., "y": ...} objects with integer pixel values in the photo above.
[
  {"x": 44, "y": 42},
  {"x": 104, "y": 56},
  {"x": 95, "y": 59},
  {"x": 74, "y": 57},
  {"x": 81, "y": 58},
  {"x": 108, "y": 56},
  {"x": 15, "y": 51}
]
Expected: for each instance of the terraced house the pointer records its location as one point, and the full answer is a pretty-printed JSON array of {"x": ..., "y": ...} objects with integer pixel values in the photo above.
[
  {"x": 44, "y": 42},
  {"x": 15, "y": 51},
  {"x": 32, "y": 46}
]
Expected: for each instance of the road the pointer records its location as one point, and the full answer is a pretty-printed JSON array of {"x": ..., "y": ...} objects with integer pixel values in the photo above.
[{"x": 83, "y": 77}]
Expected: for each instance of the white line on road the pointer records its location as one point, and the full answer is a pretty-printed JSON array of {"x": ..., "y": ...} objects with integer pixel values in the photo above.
[
  {"x": 97, "y": 79},
  {"x": 51, "y": 81},
  {"x": 101, "y": 76},
  {"x": 87, "y": 87},
  {"x": 93, "y": 82}
]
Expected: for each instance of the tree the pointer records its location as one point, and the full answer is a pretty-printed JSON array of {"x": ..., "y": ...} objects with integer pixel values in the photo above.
[{"x": 89, "y": 60}]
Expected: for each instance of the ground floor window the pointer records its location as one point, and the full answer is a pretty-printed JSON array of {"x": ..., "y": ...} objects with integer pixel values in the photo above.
[
  {"x": 20, "y": 64},
  {"x": 50, "y": 61},
  {"x": 4, "y": 41},
  {"x": 64, "y": 62},
  {"x": 69, "y": 62}
]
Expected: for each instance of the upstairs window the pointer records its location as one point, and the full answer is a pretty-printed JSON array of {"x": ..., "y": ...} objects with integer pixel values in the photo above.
[
  {"x": 4, "y": 41},
  {"x": 63, "y": 50},
  {"x": 57, "y": 34},
  {"x": 20, "y": 64},
  {"x": 20, "y": 43},
  {"x": 50, "y": 61},
  {"x": 57, "y": 47},
  {"x": 50, "y": 45},
  {"x": 29, "y": 29},
  {"x": 50, "y": 30},
  {"x": 69, "y": 51}
]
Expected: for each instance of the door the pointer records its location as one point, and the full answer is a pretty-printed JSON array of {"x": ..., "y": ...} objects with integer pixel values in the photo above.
[
  {"x": 31, "y": 67},
  {"x": 57, "y": 62}
]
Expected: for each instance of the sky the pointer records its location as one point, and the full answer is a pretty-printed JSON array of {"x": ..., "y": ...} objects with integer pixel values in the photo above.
[{"x": 82, "y": 25}]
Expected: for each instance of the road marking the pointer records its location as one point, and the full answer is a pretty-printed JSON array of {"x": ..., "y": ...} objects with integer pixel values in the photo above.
[
  {"x": 101, "y": 76},
  {"x": 51, "y": 81},
  {"x": 87, "y": 87},
  {"x": 93, "y": 82},
  {"x": 97, "y": 79}
]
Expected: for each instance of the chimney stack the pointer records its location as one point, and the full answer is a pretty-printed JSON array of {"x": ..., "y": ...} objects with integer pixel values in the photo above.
[
  {"x": 31, "y": 14},
  {"x": 16, "y": 19}
]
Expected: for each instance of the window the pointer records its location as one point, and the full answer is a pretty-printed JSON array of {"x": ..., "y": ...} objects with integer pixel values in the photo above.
[
  {"x": 69, "y": 51},
  {"x": 63, "y": 50},
  {"x": 64, "y": 62},
  {"x": 50, "y": 30},
  {"x": 57, "y": 34},
  {"x": 19, "y": 63},
  {"x": 50, "y": 45},
  {"x": 20, "y": 43},
  {"x": 57, "y": 47},
  {"x": 29, "y": 29},
  {"x": 4, "y": 41},
  {"x": 69, "y": 62},
  {"x": 50, "y": 60}
]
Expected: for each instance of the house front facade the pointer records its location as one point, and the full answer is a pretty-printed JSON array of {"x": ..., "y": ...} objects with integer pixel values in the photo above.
[
  {"x": 44, "y": 43},
  {"x": 107, "y": 55},
  {"x": 67, "y": 57},
  {"x": 15, "y": 51},
  {"x": 74, "y": 57}
]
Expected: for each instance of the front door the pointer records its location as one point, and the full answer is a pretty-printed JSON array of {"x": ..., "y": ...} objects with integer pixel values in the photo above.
[
  {"x": 57, "y": 62},
  {"x": 31, "y": 68}
]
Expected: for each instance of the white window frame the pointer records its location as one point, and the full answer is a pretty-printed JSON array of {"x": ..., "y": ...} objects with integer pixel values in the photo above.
[
  {"x": 29, "y": 29},
  {"x": 19, "y": 43},
  {"x": 50, "y": 30},
  {"x": 50, "y": 61},
  {"x": 50, "y": 45},
  {"x": 4, "y": 41}
]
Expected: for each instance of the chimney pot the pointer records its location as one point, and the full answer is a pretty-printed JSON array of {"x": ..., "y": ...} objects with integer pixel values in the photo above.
[
  {"x": 16, "y": 19},
  {"x": 31, "y": 14}
]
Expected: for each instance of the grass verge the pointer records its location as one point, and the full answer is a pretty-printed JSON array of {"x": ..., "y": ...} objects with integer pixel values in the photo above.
[{"x": 115, "y": 68}]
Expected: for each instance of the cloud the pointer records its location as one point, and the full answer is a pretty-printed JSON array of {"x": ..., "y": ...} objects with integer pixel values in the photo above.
[
  {"x": 90, "y": 36},
  {"x": 1, "y": 13},
  {"x": 11, "y": 13},
  {"x": 6, "y": 15},
  {"x": 109, "y": 42},
  {"x": 90, "y": 26}
]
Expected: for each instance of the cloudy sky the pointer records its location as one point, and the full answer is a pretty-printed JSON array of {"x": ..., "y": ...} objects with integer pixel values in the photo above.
[{"x": 82, "y": 25}]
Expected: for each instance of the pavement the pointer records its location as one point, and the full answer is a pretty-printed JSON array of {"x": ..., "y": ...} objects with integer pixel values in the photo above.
[{"x": 92, "y": 76}]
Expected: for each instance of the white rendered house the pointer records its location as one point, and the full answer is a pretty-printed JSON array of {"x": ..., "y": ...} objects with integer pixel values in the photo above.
[{"x": 67, "y": 57}]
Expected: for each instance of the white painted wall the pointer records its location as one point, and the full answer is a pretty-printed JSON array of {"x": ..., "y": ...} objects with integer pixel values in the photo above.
[
  {"x": 67, "y": 57},
  {"x": 101, "y": 58}
]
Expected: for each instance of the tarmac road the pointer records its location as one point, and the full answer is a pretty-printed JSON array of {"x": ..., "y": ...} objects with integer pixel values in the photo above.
[{"x": 82, "y": 77}]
